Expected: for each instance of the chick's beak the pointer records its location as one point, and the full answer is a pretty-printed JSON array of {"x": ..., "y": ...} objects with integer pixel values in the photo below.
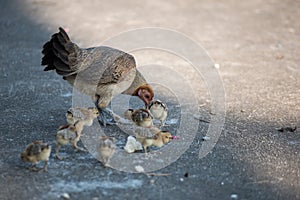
[
  {"x": 174, "y": 137},
  {"x": 148, "y": 102}
]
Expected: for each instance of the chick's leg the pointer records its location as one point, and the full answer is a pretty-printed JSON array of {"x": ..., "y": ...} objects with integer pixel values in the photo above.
[
  {"x": 57, "y": 151},
  {"x": 105, "y": 161},
  {"x": 77, "y": 147},
  {"x": 45, "y": 167},
  {"x": 33, "y": 168},
  {"x": 145, "y": 149}
]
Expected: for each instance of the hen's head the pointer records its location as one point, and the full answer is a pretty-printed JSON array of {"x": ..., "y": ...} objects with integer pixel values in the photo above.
[{"x": 145, "y": 93}]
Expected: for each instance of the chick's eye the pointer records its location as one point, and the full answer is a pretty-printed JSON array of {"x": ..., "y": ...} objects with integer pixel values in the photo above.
[{"x": 147, "y": 96}]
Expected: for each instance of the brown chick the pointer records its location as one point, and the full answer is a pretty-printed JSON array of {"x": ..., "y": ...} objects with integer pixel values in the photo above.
[
  {"x": 106, "y": 149},
  {"x": 88, "y": 114},
  {"x": 142, "y": 117},
  {"x": 66, "y": 134},
  {"x": 128, "y": 114},
  {"x": 153, "y": 137},
  {"x": 71, "y": 133},
  {"x": 109, "y": 70},
  {"x": 159, "y": 111},
  {"x": 35, "y": 152}
]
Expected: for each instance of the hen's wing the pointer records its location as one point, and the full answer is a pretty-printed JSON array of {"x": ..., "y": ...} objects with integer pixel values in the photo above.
[{"x": 91, "y": 68}]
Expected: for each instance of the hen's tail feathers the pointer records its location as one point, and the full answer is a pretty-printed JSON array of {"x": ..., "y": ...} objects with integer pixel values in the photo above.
[{"x": 60, "y": 54}]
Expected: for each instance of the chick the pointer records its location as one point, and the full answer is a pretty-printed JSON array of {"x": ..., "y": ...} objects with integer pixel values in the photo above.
[
  {"x": 106, "y": 149},
  {"x": 88, "y": 114},
  {"x": 159, "y": 111},
  {"x": 153, "y": 136},
  {"x": 110, "y": 71},
  {"x": 142, "y": 117},
  {"x": 132, "y": 145},
  {"x": 128, "y": 114},
  {"x": 71, "y": 133},
  {"x": 35, "y": 152}
]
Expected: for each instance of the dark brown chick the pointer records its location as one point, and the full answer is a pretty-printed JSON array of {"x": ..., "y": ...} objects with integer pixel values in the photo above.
[
  {"x": 128, "y": 114},
  {"x": 106, "y": 149},
  {"x": 142, "y": 117},
  {"x": 35, "y": 152},
  {"x": 101, "y": 72}
]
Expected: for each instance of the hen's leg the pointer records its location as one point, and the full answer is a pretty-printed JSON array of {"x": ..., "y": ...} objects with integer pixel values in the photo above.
[{"x": 103, "y": 113}]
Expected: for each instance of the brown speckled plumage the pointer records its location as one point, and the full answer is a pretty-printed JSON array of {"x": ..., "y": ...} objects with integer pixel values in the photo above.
[{"x": 101, "y": 72}]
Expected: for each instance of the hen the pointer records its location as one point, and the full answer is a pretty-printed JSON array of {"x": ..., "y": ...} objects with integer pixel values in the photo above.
[{"x": 101, "y": 72}]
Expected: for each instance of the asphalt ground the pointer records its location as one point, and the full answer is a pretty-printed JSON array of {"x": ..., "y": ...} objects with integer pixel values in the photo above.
[{"x": 257, "y": 47}]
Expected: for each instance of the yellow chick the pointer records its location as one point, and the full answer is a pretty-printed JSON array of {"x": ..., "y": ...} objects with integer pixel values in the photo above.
[
  {"x": 106, "y": 149},
  {"x": 159, "y": 111},
  {"x": 35, "y": 152},
  {"x": 153, "y": 136}
]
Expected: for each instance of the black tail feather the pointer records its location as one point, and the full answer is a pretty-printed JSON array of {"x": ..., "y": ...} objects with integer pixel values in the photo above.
[
  {"x": 64, "y": 34},
  {"x": 60, "y": 54}
]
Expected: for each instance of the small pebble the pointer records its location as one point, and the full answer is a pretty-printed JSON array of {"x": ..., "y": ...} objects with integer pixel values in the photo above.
[
  {"x": 234, "y": 196},
  {"x": 205, "y": 138},
  {"x": 65, "y": 196},
  {"x": 217, "y": 66},
  {"x": 291, "y": 30},
  {"x": 139, "y": 169},
  {"x": 186, "y": 175},
  {"x": 181, "y": 179}
]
